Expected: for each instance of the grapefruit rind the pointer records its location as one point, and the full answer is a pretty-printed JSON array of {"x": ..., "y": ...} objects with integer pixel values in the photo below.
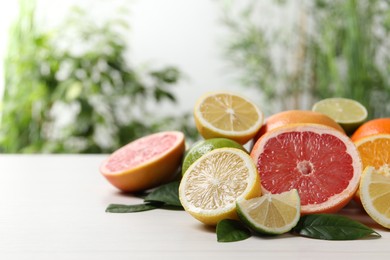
[
  {"x": 375, "y": 194},
  {"x": 230, "y": 174},
  {"x": 271, "y": 214},
  {"x": 148, "y": 174},
  {"x": 335, "y": 202}
]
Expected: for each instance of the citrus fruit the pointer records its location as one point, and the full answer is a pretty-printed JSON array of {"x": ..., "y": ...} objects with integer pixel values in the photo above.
[
  {"x": 374, "y": 151},
  {"x": 204, "y": 146},
  {"x": 146, "y": 162},
  {"x": 228, "y": 115},
  {"x": 375, "y": 194},
  {"x": 296, "y": 117},
  {"x": 349, "y": 113},
  {"x": 372, "y": 127},
  {"x": 211, "y": 185},
  {"x": 320, "y": 162},
  {"x": 271, "y": 213}
]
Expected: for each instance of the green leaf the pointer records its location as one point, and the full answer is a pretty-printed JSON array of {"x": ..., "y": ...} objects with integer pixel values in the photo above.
[
  {"x": 332, "y": 227},
  {"x": 229, "y": 230},
  {"x": 120, "y": 208},
  {"x": 167, "y": 193}
]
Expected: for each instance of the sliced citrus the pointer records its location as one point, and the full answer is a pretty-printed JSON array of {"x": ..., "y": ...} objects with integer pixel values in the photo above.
[
  {"x": 228, "y": 115},
  {"x": 271, "y": 213},
  {"x": 349, "y": 113},
  {"x": 375, "y": 194},
  {"x": 297, "y": 117},
  {"x": 319, "y": 161},
  {"x": 146, "y": 162},
  {"x": 211, "y": 185},
  {"x": 374, "y": 151},
  {"x": 204, "y": 146},
  {"x": 372, "y": 127}
]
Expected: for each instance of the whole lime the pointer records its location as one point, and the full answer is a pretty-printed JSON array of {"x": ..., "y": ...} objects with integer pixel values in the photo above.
[{"x": 204, "y": 146}]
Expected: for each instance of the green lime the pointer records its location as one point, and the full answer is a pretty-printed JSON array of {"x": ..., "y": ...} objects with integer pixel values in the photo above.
[
  {"x": 271, "y": 214},
  {"x": 349, "y": 113},
  {"x": 204, "y": 146}
]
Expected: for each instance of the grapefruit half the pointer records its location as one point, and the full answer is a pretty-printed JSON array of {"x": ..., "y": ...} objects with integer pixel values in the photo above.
[
  {"x": 320, "y": 162},
  {"x": 146, "y": 162}
]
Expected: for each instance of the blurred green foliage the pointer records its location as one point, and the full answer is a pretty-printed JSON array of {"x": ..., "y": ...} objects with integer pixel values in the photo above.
[
  {"x": 71, "y": 90},
  {"x": 321, "y": 49}
]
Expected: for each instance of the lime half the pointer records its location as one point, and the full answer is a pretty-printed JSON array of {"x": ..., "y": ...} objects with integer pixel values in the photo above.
[
  {"x": 349, "y": 113},
  {"x": 204, "y": 146},
  {"x": 271, "y": 213}
]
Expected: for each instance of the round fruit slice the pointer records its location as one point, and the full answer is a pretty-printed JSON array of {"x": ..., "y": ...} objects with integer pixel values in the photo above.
[
  {"x": 228, "y": 115},
  {"x": 349, "y": 113},
  {"x": 146, "y": 162},
  {"x": 212, "y": 184},
  {"x": 271, "y": 213},
  {"x": 375, "y": 194},
  {"x": 372, "y": 127},
  {"x": 320, "y": 162},
  {"x": 204, "y": 146},
  {"x": 374, "y": 151}
]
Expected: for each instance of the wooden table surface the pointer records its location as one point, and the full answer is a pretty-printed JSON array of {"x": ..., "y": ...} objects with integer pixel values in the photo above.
[{"x": 53, "y": 207}]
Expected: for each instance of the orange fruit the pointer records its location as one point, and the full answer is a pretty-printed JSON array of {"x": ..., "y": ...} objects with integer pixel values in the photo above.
[
  {"x": 374, "y": 151},
  {"x": 372, "y": 127},
  {"x": 146, "y": 162},
  {"x": 297, "y": 117},
  {"x": 320, "y": 162}
]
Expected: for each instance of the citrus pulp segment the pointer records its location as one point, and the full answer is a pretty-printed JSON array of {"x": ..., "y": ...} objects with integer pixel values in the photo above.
[
  {"x": 349, "y": 113},
  {"x": 320, "y": 162},
  {"x": 204, "y": 146},
  {"x": 210, "y": 186},
  {"x": 375, "y": 194},
  {"x": 146, "y": 162},
  {"x": 374, "y": 151},
  {"x": 271, "y": 213},
  {"x": 228, "y": 115}
]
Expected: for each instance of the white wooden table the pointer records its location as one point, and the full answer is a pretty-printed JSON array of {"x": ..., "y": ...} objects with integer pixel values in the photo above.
[{"x": 53, "y": 207}]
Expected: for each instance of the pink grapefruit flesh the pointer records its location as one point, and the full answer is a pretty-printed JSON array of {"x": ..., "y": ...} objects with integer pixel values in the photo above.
[
  {"x": 320, "y": 162},
  {"x": 146, "y": 162}
]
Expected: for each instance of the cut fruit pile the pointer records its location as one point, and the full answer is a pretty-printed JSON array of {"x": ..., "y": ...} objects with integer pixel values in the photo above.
[{"x": 300, "y": 163}]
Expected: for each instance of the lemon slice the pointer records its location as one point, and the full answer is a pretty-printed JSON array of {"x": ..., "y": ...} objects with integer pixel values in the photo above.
[
  {"x": 211, "y": 185},
  {"x": 349, "y": 113},
  {"x": 271, "y": 213},
  {"x": 375, "y": 194},
  {"x": 224, "y": 114}
]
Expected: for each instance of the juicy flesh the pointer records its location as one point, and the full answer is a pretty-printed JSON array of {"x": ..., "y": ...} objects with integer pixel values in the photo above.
[
  {"x": 379, "y": 190},
  {"x": 375, "y": 153},
  {"x": 229, "y": 113},
  {"x": 317, "y": 165},
  {"x": 273, "y": 213},
  {"x": 140, "y": 151},
  {"x": 217, "y": 181}
]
